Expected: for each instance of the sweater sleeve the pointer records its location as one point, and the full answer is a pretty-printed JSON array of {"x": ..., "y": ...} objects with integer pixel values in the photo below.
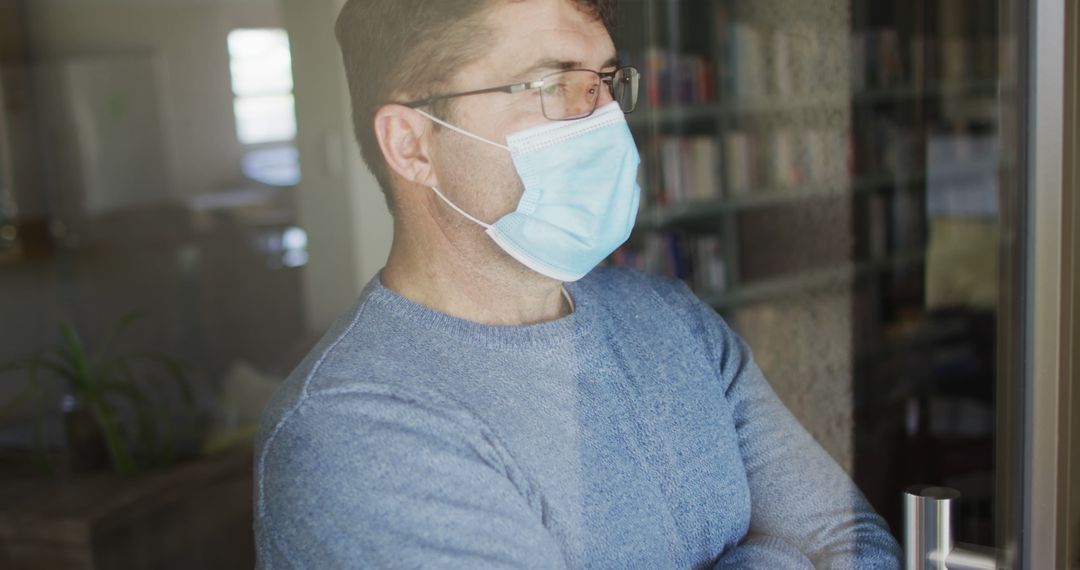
[
  {"x": 369, "y": 478},
  {"x": 799, "y": 495},
  {"x": 764, "y": 553}
]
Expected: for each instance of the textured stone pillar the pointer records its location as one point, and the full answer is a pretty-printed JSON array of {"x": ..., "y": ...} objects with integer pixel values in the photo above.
[{"x": 803, "y": 339}]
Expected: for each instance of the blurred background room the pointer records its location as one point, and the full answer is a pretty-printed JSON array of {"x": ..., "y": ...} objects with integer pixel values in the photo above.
[
  {"x": 167, "y": 255},
  {"x": 183, "y": 212}
]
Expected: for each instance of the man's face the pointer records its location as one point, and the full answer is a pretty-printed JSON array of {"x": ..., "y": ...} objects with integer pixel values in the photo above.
[{"x": 532, "y": 38}]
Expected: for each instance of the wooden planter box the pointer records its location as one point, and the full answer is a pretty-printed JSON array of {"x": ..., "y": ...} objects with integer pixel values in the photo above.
[{"x": 195, "y": 515}]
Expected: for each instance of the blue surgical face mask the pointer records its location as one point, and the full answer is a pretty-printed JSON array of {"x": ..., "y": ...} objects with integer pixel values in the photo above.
[{"x": 581, "y": 193}]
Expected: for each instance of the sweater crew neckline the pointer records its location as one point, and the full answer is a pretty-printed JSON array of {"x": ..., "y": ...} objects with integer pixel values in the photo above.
[{"x": 499, "y": 337}]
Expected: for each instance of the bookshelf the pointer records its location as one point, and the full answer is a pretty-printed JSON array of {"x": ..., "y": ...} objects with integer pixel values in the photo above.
[
  {"x": 797, "y": 160},
  {"x": 839, "y": 276},
  {"x": 659, "y": 217},
  {"x": 731, "y": 111},
  {"x": 746, "y": 111},
  {"x": 734, "y": 118}
]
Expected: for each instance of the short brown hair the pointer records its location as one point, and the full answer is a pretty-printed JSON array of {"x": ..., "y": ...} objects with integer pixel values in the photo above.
[{"x": 394, "y": 48}]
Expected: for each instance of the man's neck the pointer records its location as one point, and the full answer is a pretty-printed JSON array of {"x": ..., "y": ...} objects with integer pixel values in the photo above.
[{"x": 440, "y": 281}]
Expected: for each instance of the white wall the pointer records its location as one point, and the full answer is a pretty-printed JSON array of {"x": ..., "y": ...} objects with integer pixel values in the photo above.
[
  {"x": 190, "y": 39},
  {"x": 341, "y": 207},
  {"x": 339, "y": 203}
]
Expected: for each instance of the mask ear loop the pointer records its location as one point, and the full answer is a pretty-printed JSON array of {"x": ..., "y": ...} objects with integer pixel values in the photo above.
[
  {"x": 461, "y": 131},
  {"x": 566, "y": 295},
  {"x": 459, "y": 210},
  {"x": 470, "y": 135}
]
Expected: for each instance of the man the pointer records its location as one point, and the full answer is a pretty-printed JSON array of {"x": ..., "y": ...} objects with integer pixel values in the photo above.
[{"x": 491, "y": 401}]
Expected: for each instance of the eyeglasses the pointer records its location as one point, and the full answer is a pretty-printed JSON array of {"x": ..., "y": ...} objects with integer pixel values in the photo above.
[{"x": 569, "y": 94}]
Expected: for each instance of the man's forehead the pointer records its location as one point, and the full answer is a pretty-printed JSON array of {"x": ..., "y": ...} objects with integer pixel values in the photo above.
[
  {"x": 547, "y": 35},
  {"x": 550, "y": 64}
]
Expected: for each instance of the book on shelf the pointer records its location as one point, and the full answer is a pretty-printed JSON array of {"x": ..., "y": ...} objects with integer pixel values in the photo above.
[
  {"x": 859, "y": 62},
  {"x": 722, "y": 20},
  {"x": 696, "y": 259},
  {"x": 785, "y": 64},
  {"x": 877, "y": 226},
  {"x": 890, "y": 69},
  {"x": 957, "y": 58},
  {"x": 709, "y": 271},
  {"x": 887, "y": 147},
  {"x": 659, "y": 253},
  {"x": 786, "y": 158},
  {"x": 673, "y": 78},
  {"x": 747, "y": 60},
  {"x": 878, "y": 59},
  {"x": 681, "y": 169},
  {"x": 786, "y": 172},
  {"x": 690, "y": 167},
  {"x": 883, "y": 58},
  {"x": 739, "y": 161},
  {"x": 906, "y": 222}
]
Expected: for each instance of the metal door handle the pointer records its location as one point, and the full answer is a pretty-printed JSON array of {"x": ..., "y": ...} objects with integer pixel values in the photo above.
[{"x": 928, "y": 541}]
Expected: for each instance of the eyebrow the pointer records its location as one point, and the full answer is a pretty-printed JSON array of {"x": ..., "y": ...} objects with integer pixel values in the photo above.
[{"x": 560, "y": 65}]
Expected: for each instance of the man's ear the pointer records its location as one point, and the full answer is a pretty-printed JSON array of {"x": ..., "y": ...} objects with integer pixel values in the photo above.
[{"x": 403, "y": 136}]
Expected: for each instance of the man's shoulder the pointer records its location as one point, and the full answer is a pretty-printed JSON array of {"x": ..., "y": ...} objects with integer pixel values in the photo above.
[
  {"x": 655, "y": 304},
  {"x": 346, "y": 359},
  {"x": 630, "y": 288},
  {"x": 318, "y": 400},
  {"x": 623, "y": 279}
]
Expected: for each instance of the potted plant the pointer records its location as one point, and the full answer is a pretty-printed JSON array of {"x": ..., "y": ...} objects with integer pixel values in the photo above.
[{"x": 98, "y": 385}]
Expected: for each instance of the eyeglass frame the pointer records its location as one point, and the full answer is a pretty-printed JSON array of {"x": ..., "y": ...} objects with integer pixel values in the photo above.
[{"x": 529, "y": 85}]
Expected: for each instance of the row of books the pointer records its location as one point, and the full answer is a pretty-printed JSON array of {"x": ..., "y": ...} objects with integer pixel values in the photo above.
[
  {"x": 785, "y": 63},
  {"x": 877, "y": 59},
  {"x": 690, "y": 169},
  {"x": 883, "y": 58},
  {"x": 698, "y": 168},
  {"x": 787, "y": 158},
  {"x": 696, "y": 259},
  {"x": 672, "y": 78}
]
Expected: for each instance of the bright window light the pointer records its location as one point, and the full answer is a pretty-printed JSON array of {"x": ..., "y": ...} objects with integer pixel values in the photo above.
[
  {"x": 263, "y": 119},
  {"x": 260, "y": 62}
]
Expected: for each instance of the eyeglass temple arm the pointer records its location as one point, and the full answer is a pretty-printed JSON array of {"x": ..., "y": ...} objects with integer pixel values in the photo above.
[{"x": 514, "y": 88}]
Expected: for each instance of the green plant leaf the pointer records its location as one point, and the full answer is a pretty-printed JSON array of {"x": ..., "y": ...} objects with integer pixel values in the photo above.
[
  {"x": 119, "y": 374},
  {"x": 176, "y": 373},
  {"x": 122, "y": 462},
  {"x": 75, "y": 353},
  {"x": 75, "y": 382},
  {"x": 96, "y": 378},
  {"x": 118, "y": 328},
  {"x": 144, "y": 412},
  {"x": 32, "y": 364}
]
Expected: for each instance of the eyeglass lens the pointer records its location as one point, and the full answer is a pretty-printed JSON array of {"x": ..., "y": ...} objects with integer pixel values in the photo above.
[{"x": 574, "y": 94}]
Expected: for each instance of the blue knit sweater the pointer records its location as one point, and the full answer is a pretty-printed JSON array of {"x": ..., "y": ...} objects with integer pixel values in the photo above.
[{"x": 635, "y": 432}]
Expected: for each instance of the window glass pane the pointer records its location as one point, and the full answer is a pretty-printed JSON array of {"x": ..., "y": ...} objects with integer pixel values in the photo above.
[
  {"x": 265, "y": 119},
  {"x": 260, "y": 62},
  {"x": 838, "y": 178},
  {"x": 277, "y": 165}
]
